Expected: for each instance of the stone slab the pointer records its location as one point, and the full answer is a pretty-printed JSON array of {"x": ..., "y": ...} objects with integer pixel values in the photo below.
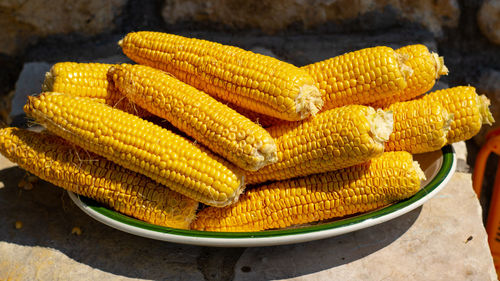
[{"x": 29, "y": 83}]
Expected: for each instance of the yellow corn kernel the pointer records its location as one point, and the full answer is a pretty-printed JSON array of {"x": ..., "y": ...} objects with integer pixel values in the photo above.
[
  {"x": 332, "y": 140},
  {"x": 419, "y": 126},
  {"x": 89, "y": 80},
  {"x": 426, "y": 68},
  {"x": 253, "y": 81},
  {"x": 379, "y": 182},
  {"x": 140, "y": 146},
  {"x": 470, "y": 111},
  {"x": 197, "y": 114},
  {"x": 65, "y": 165},
  {"x": 361, "y": 77},
  {"x": 76, "y": 231},
  {"x": 261, "y": 119}
]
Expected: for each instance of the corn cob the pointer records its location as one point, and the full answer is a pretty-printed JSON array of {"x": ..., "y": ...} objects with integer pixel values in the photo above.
[
  {"x": 253, "y": 81},
  {"x": 220, "y": 128},
  {"x": 470, "y": 111},
  {"x": 332, "y": 140},
  {"x": 261, "y": 119},
  {"x": 140, "y": 146},
  {"x": 379, "y": 182},
  {"x": 419, "y": 126},
  {"x": 87, "y": 80},
  {"x": 426, "y": 68},
  {"x": 72, "y": 168},
  {"x": 361, "y": 77}
]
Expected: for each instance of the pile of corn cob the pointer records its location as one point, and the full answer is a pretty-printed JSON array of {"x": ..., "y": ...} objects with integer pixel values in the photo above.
[{"x": 262, "y": 144}]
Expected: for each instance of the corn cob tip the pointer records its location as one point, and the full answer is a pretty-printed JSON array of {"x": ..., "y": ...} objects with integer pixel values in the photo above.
[
  {"x": 308, "y": 101},
  {"x": 441, "y": 69},
  {"x": 405, "y": 69},
  {"x": 419, "y": 171},
  {"x": 120, "y": 42},
  {"x": 267, "y": 153},
  {"x": 231, "y": 200},
  {"x": 381, "y": 124},
  {"x": 48, "y": 82},
  {"x": 486, "y": 116}
]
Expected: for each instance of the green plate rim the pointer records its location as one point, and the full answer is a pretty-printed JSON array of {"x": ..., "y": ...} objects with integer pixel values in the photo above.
[{"x": 446, "y": 167}]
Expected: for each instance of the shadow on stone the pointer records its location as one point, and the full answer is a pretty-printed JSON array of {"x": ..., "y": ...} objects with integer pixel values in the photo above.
[
  {"x": 48, "y": 216},
  {"x": 290, "y": 261}
]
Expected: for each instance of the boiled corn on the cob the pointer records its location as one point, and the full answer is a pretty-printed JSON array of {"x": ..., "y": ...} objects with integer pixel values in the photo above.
[
  {"x": 140, "y": 146},
  {"x": 72, "y": 168},
  {"x": 381, "y": 181},
  {"x": 257, "y": 82},
  {"x": 361, "y": 77},
  {"x": 261, "y": 119},
  {"x": 426, "y": 68},
  {"x": 333, "y": 139},
  {"x": 220, "y": 128},
  {"x": 470, "y": 111},
  {"x": 419, "y": 126},
  {"x": 87, "y": 80}
]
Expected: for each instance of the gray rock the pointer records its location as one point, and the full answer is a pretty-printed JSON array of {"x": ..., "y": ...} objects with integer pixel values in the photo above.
[
  {"x": 116, "y": 59},
  {"x": 23, "y": 22},
  {"x": 461, "y": 153},
  {"x": 29, "y": 83},
  {"x": 488, "y": 19},
  {"x": 275, "y": 16},
  {"x": 263, "y": 51}
]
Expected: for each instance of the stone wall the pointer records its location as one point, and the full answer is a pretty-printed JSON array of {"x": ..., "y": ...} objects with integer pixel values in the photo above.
[{"x": 35, "y": 34}]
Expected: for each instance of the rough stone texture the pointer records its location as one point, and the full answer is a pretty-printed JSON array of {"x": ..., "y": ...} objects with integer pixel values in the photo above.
[
  {"x": 443, "y": 240},
  {"x": 22, "y": 22},
  {"x": 489, "y": 20},
  {"x": 273, "y": 16},
  {"x": 461, "y": 153},
  {"x": 29, "y": 83}
]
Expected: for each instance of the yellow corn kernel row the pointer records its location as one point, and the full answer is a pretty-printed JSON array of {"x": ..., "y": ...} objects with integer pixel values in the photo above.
[
  {"x": 72, "y": 168},
  {"x": 419, "y": 126},
  {"x": 381, "y": 181},
  {"x": 220, "y": 128},
  {"x": 87, "y": 80},
  {"x": 261, "y": 119},
  {"x": 140, "y": 146},
  {"x": 333, "y": 139},
  {"x": 426, "y": 68},
  {"x": 470, "y": 111},
  {"x": 361, "y": 77},
  {"x": 253, "y": 81}
]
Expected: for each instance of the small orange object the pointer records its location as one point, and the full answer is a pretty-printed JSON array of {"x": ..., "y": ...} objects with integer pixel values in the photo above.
[
  {"x": 76, "y": 230},
  {"x": 493, "y": 221},
  {"x": 18, "y": 224}
]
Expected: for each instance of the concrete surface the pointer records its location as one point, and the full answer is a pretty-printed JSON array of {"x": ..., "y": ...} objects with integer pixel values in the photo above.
[{"x": 443, "y": 240}]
